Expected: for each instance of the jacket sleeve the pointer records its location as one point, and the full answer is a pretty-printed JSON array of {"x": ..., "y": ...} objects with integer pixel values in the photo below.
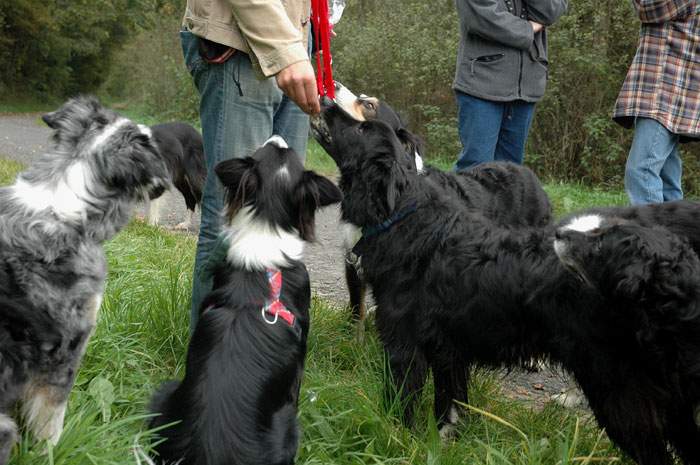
[
  {"x": 482, "y": 18},
  {"x": 546, "y": 12},
  {"x": 270, "y": 34},
  {"x": 659, "y": 11}
]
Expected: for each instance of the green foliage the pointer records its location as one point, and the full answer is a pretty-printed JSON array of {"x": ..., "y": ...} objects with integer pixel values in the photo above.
[
  {"x": 61, "y": 47},
  {"x": 149, "y": 72}
]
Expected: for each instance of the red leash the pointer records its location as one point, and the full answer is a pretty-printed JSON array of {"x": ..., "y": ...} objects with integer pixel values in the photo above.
[{"x": 322, "y": 39}]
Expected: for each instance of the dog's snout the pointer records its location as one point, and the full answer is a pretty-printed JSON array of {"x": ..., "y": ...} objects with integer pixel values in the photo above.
[{"x": 558, "y": 234}]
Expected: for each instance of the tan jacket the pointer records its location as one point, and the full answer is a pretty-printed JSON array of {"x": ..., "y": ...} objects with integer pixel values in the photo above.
[{"x": 273, "y": 32}]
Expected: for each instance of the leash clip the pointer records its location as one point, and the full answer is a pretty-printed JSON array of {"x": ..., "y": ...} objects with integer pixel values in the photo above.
[{"x": 264, "y": 317}]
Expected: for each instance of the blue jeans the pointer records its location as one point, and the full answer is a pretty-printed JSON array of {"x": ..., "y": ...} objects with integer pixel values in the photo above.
[
  {"x": 654, "y": 167},
  {"x": 492, "y": 130},
  {"x": 239, "y": 111}
]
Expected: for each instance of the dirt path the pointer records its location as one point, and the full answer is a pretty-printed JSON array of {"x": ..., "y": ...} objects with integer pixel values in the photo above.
[{"x": 23, "y": 137}]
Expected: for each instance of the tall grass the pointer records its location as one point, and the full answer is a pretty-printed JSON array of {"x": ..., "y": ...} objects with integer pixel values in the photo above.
[{"x": 141, "y": 339}]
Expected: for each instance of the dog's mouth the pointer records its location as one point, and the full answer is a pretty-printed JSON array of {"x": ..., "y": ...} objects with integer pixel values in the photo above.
[{"x": 320, "y": 130}]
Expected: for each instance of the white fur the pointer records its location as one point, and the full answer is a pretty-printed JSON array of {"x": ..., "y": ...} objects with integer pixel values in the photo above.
[
  {"x": 283, "y": 172},
  {"x": 351, "y": 234},
  {"x": 560, "y": 248},
  {"x": 419, "y": 162},
  {"x": 278, "y": 141},
  {"x": 152, "y": 210},
  {"x": 44, "y": 417},
  {"x": 584, "y": 223},
  {"x": 257, "y": 245},
  {"x": 66, "y": 196},
  {"x": 108, "y": 132},
  {"x": 145, "y": 130},
  {"x": 7, "y": 424}
]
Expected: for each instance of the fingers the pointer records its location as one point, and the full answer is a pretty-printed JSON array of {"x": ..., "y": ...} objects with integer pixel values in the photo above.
[{"x": 298, "y": 82}]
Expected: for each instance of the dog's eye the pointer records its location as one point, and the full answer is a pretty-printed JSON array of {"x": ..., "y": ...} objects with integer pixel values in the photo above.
[{"x": 369, "y": 105}]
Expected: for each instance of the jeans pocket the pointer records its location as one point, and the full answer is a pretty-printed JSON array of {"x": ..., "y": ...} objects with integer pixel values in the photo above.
[{"x": 190, "y": 50}]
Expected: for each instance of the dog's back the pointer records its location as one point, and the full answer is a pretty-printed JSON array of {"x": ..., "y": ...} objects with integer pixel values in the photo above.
[
  {"x": 183, "y": 148},
  {"x": 681, "y": 217}
]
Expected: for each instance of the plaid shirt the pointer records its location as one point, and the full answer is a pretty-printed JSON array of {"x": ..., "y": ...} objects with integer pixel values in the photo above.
[{"x": 663, "y": 82}]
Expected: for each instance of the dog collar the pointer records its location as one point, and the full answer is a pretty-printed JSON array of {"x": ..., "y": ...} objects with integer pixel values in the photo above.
[
  {"x": 369, "y": 231},
  {"x": 274, "y": 306}
]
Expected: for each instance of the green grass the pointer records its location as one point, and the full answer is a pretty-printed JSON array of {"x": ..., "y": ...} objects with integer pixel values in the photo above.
[
  {"x": 141, "y": 340},
  {"x": 15, "y": 104}
]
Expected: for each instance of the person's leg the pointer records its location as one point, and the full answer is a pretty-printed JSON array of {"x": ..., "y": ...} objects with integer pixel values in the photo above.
[
  {"x": 293, "y": 125},
  {"x": 651, "y": 147},
  {"x": 479, "y": 125},
  {"x": 517, "y": 118},
  {"x": 672, "y": 173},
  {"x": 236, "y": 111}
]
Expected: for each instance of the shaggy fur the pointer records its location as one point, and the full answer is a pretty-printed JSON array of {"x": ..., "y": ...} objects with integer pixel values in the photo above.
[
  {"x": 681, "y": 217},
  {"x": 53, "y": 220},
  {"x": 182, "y": 148},
  {"x": 508, "y": 194},
  {"x": 454, "y": 290},
  {"x": 238, "y": 401}
]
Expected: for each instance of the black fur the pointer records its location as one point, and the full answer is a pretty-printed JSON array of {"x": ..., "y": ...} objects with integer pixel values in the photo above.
[
  {"x": 453, "y": 290},
  {"x": 182, "y": 148},
  {"x": 681, "y": 217},
  {"x": 238, "y": 401},
  {"x": 508, "y": 194}
]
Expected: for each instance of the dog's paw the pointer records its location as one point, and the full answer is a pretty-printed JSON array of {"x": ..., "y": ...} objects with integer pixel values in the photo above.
[
  {"x": 184, "y": 226},
  {"x": 8, "y": 437},
  {"x": 570, "y": 398}
]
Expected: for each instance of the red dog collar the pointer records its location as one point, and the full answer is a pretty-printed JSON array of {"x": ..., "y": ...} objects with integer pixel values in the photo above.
[{"x": 274, "y": 306}]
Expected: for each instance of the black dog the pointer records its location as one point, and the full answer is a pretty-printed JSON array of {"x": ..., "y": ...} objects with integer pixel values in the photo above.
[
  {"x": 651, "y": 278},
  {"x": 509, "y": 194},
  {"x": 454, "y": 290},
  {"x": 238, "y": 401},
  {"x": 681, "y": 217},
  {"x": 181, "y": 146}
]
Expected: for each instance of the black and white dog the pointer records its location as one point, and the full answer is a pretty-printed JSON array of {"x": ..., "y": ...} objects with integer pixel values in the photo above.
[
  {"x": 650, "y": 278},
  {"x": 53, "y": 221},
  {"x": 182, "y": 148},
  {"x": 238, "y": 400},
  {"x": 511, "y": 195},
  {"x": 455, "y": 290}
]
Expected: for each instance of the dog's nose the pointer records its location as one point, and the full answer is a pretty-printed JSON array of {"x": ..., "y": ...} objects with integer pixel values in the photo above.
[{"x": 558, "y": 234}]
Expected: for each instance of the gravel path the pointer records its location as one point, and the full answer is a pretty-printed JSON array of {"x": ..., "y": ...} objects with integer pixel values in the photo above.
[{"x": 23, "y": 137}]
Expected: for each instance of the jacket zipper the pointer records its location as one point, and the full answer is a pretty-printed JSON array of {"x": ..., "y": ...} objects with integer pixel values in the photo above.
[{"x": 520, "y": 76}]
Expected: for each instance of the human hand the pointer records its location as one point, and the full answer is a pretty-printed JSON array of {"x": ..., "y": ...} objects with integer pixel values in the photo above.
[
  {"x": 298, "y": 82},
  {"x": 536, "y": 27}
]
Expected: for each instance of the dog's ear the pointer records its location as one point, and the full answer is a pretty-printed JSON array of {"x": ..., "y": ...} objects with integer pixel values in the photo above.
[
  {"x": 240, "y": 178},
  {"x": 50, "y": 119},
  {"x": 413, "y": 144},
  {"x": 312, "y": 193}
]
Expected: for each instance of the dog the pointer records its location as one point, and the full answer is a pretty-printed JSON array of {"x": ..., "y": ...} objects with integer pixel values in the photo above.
[
  {"x": 238, "y": 400},
  {"x": 182, "y": 148},
  {"x": 651, "y": 277},
  {"x": 509, "y": 194},
  {"x": 53, "y": 221},
  {"x": 454, "y": 290},
  {"x": 681, "y": 217}
]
